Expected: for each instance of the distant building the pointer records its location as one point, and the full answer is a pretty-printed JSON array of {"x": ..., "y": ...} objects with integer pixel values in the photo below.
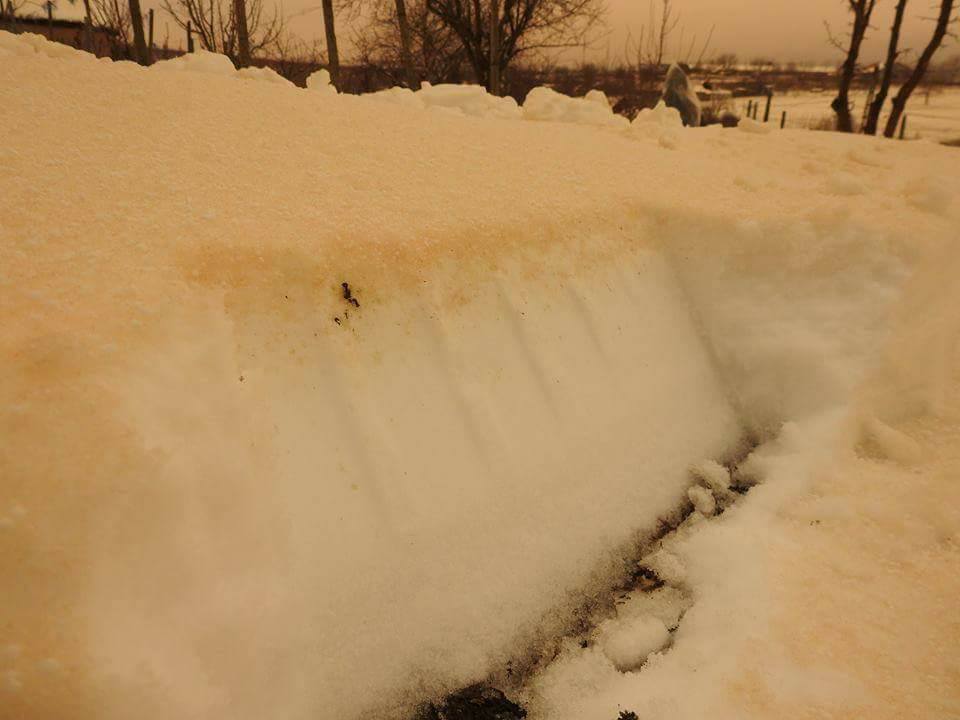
[{"x": 104, "y": 42}]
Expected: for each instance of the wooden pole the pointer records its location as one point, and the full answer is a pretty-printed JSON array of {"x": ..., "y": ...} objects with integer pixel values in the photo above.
[
  {"x": 494, "y": 80},
  {"x": 749, "y": 107},
  {"x": 766, "y": 111},
  {"x": 783, "y": 119},
  {"x": 903, "y": 127},
  {"x": 50, "y": 19},
  {"x": 243, "y": 37},
  {"x": 139, "y": 36},
  {"x": 189, "y": 37},
  {"x": 150, "y": 34}
]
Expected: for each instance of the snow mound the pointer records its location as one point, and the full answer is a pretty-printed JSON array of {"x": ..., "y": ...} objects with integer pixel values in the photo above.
[
  {"x": 471, "y": 100},
  {"x": 199, "y": 61},
  {"x": 627, "y": 644},
  {"x": 210, "y": 63},
  {"x": 319, "y": 81},
  {"x": 263, "y": 74},
  {"x": 659, "y": 115},
  {"x": 543, "y": 103},
  {"x": 452, "y": 100},
  {"x": 31, "y": 43},
  {"x": 397, "y": 96},
  {"x": 754, "y": 127}
]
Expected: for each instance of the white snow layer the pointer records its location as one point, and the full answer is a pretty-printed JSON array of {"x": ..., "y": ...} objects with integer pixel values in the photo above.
[{"x": 233, "y": 487}]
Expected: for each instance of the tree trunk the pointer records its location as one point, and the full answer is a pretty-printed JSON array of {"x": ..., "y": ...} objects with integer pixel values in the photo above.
[
  {"x": 87, "y": 32},
  {"x": 494, "y": 76},
  {"x": 862, "y": 9},
  {"x": 333, "y": 56},
  {"x": 900, "y": 100},
  {"x": 243, "y": 36},
  {"x": 873, "y": 116},
  {"x": 139, "y": 40},
  {"x": 410, "y": 74}
]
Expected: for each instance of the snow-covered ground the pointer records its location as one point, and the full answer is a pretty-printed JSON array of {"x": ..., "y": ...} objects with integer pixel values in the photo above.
[
  {"x": 933, "y": 115},
  {"x": 320, "y": 406}
]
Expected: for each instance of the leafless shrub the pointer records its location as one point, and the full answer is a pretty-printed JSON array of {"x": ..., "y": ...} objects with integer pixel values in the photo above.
[
  {"x": 215, "y": 26},
  {"x": 436, "y": 51},
  {"x": 522, "y": 27}
]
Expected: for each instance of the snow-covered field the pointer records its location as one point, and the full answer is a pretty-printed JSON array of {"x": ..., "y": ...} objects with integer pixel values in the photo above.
[
  {"x": 932, "y": 116},
  {"x": 319, "y": 406}
]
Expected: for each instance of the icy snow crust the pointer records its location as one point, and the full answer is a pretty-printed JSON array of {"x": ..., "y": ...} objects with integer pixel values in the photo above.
[{"x": 233, "y": 487}]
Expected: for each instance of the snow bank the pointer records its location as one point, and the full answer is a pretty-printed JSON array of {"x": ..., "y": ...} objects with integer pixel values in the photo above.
[
  {"x": 31, "y": 43},
  {"x": 200, "y": 61},
  {"x": 543, "y": 103},
  {"x": 469, "y": 100},
  {"x": 264, "y": 74},
  {"x": 210, "y": 63},
  {"x": 474, "y": 101},
  {"x": 304, "y": 420},
  {"x": 319, "y": 81}
]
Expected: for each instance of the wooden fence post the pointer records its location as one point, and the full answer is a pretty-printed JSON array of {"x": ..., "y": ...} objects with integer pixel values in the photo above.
[
  {"x": 150, "y": 33},
  {"x": 783, "y": 119},
  {"x": 50, "y": 19},
  {"x": 189, "y": 37},
  {"x": 903, "y": 127},
  {"x": 749, "y": 107},
  {"x": 766, "y": 110}
]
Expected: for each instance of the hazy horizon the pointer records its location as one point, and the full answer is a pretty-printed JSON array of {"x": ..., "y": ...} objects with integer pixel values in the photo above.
[{"x": 781, "y": 30}]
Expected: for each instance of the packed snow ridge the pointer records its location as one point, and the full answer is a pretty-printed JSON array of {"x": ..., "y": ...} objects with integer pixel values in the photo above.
[{"x": 323, "y": 406}]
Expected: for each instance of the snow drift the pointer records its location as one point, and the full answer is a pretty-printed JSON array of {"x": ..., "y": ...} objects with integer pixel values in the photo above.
[{"x": 318, "y": 407}]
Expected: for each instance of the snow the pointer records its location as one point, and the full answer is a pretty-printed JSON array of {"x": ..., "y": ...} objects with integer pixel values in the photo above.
[
  {"x": 933, "y": 117},
  {"x": 658, "y": 115},
  {"x": 263, "y": 74},
  {"x": 201, "y": 61},
  {"x": 703, "y": 500},
  {"x": 452, "y": 100},
  {"x": 246, "y": 496},
  {"x": 627, "y": 644},
  {"x": 543, "y": 103}
]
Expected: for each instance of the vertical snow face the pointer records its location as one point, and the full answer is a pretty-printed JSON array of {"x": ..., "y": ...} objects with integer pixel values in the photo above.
[{"x": 376, "y": 497}]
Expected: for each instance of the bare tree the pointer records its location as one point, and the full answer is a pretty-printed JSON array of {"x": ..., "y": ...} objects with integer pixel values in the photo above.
[
  {"x": 493, "y": 53},
  {"x": 115, "y": 17},
  {"x": 862, "y": 10},
  {"x": 214, "y": 23},
  {"x": 654, "y": 37},
  {"x": 726, "y": 60},
  {"x": 523, "y": 26},
  {"x": 944, "y": 18},
  {"x": 435, "y": 50},
  {"x": 893, "y": 52},
  {"x": 243, "y": 36},
  {"x": 141, "y": 53},
  {"x": 333, "y": 54},
  {"x": 658, "y": 40},
  {"x": 296, "y": 59},
  {"x": 406, "y": 57}
]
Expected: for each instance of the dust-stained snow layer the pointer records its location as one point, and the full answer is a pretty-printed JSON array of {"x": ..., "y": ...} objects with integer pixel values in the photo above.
[{"x": 316, "y": 406}]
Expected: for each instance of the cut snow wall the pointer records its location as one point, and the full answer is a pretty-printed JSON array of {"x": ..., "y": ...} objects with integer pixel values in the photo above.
[{"x": 320, "y": 514}]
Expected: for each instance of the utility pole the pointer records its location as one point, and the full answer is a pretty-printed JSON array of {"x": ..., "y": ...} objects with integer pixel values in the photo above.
[
  {"x": 243, "y": 37},
  {"x": 494, "y": 80},
  {"x": 139, "y": 41}
]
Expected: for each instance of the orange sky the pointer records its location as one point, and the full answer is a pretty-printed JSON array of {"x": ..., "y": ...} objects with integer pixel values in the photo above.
[{"x": 781, "y": 29}]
